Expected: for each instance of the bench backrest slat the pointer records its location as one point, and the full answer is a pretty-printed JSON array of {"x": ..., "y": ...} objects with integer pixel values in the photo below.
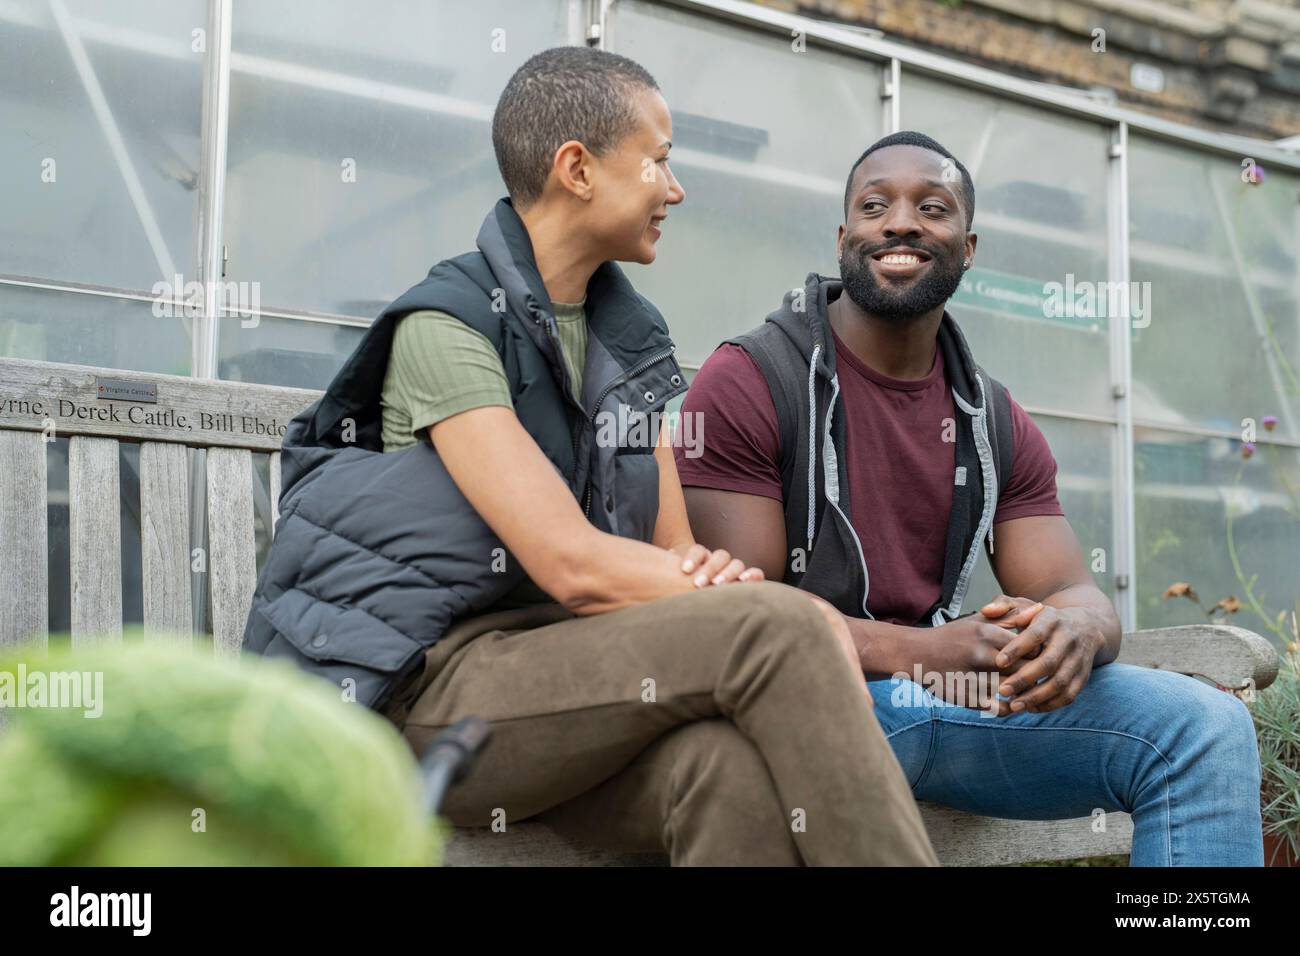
[
  {"x": 95, "y": 539},
  {"x": 24, "y": 565},
  {"x": 164, "y": 540},
  {"x": 169, "y": 416},
  {"x": 232, "y": 557}
]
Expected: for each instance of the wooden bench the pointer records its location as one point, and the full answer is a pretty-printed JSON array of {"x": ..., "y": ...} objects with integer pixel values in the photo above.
[{"x": 169, "y": 415}]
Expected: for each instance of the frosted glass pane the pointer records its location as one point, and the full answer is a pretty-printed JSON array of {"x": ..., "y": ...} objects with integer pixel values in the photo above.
[
  {"x": 86, "y": 329},
  {"x": 70, "y": 207},
  {"x": 1220, "y": 253},
  {"x": 1040, "y": 214},
  {"x": 763, "y": 138},
  {"x": 1189, "y": 490},
  {"x": 360, "y": 148},
  {"x": 1083, "y": 453},
  {"x": 277, "y": 351}
]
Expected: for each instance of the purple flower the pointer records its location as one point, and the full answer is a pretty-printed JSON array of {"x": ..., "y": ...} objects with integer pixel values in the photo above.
[
  {"x": 1247, "y": 449},
  {"x": 1269, "y": 422}
]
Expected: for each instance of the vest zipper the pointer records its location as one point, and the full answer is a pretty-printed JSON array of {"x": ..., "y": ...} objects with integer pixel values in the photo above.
[
  {"x": 620, "y": 379},
  {"x": 553, "y": 336},
  {"x": 604, "y": 393}
]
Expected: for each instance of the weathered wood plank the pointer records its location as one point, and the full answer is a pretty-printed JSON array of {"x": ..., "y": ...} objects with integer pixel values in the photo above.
[
  {"x": 533, "y": 844},
  {"x": 232, "y": 557},
  {"x": 189, "y": 411},
  {"x": 24, "y": 570},
  {"x": 95, "y": 539},
  {"x": 275, "y": 491},
  {"x": 165, "y": 541},
  {"x": 959, "y": 839},
  {"x": 964, "y": 839},
  {"x": 1233, "y": 656}
]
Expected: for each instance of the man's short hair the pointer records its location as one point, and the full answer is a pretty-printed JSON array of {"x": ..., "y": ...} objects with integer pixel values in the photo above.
[
  {"x": 568, "y": 92},
  {"x": 912, "y": 138}
]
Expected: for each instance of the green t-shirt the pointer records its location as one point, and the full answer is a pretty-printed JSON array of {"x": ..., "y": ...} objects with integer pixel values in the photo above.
[{"x": 440, "y": 367}]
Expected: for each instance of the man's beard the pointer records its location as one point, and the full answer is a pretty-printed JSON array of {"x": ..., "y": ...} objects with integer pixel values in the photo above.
[{"x": 935, "y": 287}]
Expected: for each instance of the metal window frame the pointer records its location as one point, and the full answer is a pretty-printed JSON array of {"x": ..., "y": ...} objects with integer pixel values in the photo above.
[
  {"x": 212, "y": 187},
  {"x": 211, "y": 243},
  {"x": 1123, "y": 557}
]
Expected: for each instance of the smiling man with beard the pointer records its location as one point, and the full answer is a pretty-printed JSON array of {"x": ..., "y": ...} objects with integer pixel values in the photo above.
[{"x": 856, "y": 450}]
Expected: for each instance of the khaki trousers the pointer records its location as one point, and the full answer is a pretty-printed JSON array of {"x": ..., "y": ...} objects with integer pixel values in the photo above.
[{"x": 724, "y": 726}]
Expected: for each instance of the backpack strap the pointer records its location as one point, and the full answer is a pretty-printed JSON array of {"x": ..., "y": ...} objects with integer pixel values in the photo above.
[
  {"x": 774, "y": 355},
  {"x": 1001, "y": 434}
]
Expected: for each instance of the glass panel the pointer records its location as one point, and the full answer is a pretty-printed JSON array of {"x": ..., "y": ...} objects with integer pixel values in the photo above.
[
  {"x": 1199, "y": 503},
  {"x": 1083, "y": 453},
  {"x": 85, "y": 329},
  {"x": 1041, "y": 215},
  {"x": 763, "y": 139},
  {"x": 71, "y": 209},
  {"x": 360, "y": 148},
  {"x": 1220, "y": 254},
  {"x": 291, "y": 352}
]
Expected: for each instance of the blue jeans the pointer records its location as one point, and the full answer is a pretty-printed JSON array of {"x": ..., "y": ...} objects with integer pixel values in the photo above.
[{"x": 1175, "y": 753}]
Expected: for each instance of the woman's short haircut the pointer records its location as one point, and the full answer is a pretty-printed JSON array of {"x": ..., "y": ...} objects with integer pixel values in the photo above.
[{"x": 565, "y": 93}]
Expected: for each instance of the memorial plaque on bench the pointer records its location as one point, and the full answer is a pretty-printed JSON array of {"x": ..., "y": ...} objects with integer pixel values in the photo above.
[{"x": 67, "y": 400}]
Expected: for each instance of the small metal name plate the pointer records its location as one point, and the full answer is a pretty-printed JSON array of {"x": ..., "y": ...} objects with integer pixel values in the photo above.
[{"x": 120, "y": 390}]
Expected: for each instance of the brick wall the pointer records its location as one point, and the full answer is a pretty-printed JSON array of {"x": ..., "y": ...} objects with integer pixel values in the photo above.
[{"x": 1228, "y": 65}]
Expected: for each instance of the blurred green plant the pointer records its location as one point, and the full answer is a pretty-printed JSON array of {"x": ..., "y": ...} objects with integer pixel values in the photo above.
[{"x": 199, "y": 761}]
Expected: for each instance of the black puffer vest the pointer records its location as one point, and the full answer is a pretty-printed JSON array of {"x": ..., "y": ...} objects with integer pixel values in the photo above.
[
  {"x": 375, "y": 554},
  {"x": 795, "y": 350}
]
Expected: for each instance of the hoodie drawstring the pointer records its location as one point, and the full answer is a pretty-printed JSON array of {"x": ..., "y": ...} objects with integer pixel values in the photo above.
[{"x": 812, "y": 444}]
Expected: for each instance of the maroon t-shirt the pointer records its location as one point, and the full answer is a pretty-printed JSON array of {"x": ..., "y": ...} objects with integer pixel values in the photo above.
[{"x": 900, "y": 469}]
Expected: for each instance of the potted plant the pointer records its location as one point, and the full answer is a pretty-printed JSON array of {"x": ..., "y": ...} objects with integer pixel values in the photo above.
[{"x": 1276, "y": 710}]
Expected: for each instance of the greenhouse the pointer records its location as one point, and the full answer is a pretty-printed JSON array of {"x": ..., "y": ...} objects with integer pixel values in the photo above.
[{"x": 232, "y": 190}]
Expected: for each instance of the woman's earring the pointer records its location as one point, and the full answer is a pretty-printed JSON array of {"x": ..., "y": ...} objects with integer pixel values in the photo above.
[{"x": 966, "y": 264}]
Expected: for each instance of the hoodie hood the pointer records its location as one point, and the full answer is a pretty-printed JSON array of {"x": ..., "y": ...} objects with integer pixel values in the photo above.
[{"x": 804, "y": 318}]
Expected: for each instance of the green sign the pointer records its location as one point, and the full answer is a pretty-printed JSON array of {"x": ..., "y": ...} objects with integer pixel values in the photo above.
[{"x": 1026, "y": 298}]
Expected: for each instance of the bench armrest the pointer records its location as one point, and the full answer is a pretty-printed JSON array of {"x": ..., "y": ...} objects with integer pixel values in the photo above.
[{"x": 1228, "y": 655}]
